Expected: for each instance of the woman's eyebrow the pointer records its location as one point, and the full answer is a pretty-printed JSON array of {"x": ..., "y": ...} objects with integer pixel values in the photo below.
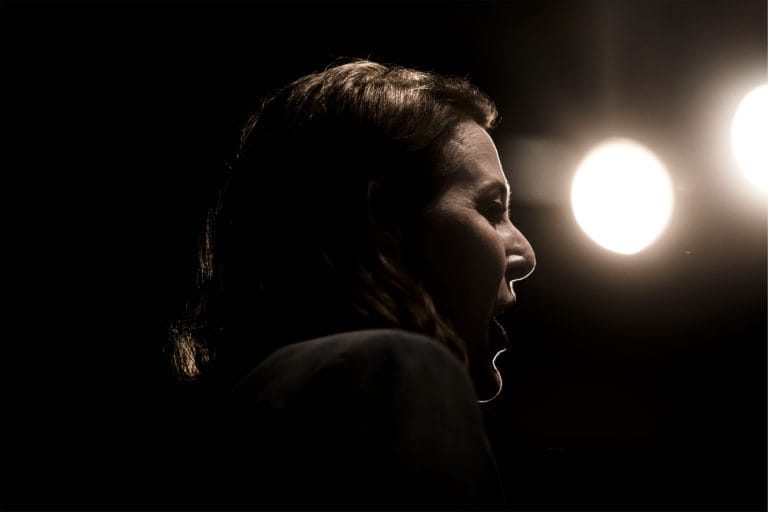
[{"x": 495, "y": 187}]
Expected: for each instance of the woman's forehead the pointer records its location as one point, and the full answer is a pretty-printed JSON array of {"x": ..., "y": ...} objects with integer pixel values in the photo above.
[{"x": 475, "y": 157}]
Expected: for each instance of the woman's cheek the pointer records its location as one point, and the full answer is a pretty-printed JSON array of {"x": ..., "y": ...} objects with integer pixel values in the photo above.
[
  {"x": 488, "y": 265},
  {"x": 495, "y": 254}
]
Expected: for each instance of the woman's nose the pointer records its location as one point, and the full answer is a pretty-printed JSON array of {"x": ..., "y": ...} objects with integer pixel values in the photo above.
[{"x": 520, "y": 258}]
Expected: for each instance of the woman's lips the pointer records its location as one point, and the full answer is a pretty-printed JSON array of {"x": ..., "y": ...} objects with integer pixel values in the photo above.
[
  {"x": 497, "y": 336},
  {"x": 505, "y": 300}
]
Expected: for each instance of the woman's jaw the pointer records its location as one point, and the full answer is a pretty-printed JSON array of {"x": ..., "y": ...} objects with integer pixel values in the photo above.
[{"x": 482, "y": 366}]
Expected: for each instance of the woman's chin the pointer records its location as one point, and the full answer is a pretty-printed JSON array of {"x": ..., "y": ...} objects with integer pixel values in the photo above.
[
  {"x": 488, "y": 379},
  {"x": 482, "y": 354},
  {"x": 487, "y": 384}
]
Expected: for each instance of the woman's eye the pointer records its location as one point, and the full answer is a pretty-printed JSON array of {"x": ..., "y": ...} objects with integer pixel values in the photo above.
[{"x": 495, "y": 212}]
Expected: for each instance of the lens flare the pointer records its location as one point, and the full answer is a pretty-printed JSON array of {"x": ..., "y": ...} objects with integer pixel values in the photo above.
[
  {"x": 622, "y": 196},
  {"x": 749, "y": 136}
]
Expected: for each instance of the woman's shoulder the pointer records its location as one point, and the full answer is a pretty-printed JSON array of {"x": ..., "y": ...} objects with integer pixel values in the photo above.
[
  {"x": 363, "y": 343},
  {"x": 395, "y": 411},
  {"x": 383, "y": 355}
]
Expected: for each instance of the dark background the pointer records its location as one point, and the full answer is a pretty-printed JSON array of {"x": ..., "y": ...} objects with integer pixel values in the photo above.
[{"x": 634, "y": 382}]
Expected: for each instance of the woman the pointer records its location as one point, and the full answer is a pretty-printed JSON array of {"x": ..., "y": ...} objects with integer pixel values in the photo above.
[{"x": 350, "y": 277}]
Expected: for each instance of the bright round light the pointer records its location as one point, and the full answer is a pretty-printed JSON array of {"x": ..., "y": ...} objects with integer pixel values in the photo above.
[
  {"x": 749, "y": 136},
  {"x": 622, "y": 196}
]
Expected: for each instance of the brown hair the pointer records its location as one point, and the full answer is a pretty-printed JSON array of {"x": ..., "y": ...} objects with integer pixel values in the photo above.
[{"x": 292, "y": 234}]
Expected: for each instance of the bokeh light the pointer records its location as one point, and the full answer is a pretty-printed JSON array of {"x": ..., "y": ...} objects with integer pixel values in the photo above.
[
  {"x": 622, "y": 196},
  {"x": 749, "y": 136}
]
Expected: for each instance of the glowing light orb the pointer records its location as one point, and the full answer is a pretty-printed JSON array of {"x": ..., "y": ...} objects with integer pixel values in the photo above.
[
  {"x": 749, "y": 136},
  {"x": 622, "y": 196}
]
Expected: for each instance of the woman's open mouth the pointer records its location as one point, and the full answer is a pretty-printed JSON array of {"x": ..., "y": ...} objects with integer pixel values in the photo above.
[{"x": 497, "y": 336}]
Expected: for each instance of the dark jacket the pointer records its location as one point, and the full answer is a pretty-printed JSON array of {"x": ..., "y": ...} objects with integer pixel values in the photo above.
[{"x": 365, "y": 419}]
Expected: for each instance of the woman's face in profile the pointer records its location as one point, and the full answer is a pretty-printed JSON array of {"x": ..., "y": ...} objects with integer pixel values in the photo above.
[{"x": 471, "y": 252}]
